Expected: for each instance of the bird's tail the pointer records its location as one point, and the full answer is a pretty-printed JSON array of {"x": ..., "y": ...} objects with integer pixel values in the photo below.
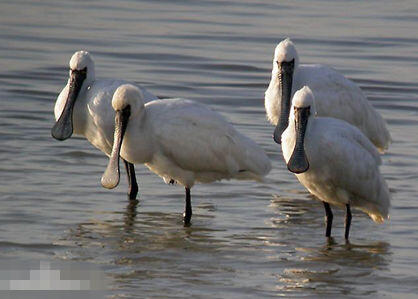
[
  {"x": 258, "y": 163},
  {"x": 377, "y": 131},
  {"x": 379, "y": 210},
  {"x": 251, "y": 159}
]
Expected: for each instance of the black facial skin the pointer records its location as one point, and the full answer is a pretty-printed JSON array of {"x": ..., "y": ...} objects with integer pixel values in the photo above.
[
  {"x": 285, "y": 77},
  {"x": 110, "y": 178},
  {"x": 298, "y": 162},
  {"x": 63, "y": 128}
]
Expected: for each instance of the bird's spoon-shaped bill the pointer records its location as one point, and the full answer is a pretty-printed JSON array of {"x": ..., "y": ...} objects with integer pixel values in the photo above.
[{"x": 110, "y": 178}]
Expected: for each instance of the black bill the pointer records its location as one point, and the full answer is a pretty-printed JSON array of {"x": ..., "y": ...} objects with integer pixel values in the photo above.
[
  {"x": 110, "y": 178},
  {"x": 63, "y": 128},
  {"x": 285, "y": 86},
  {"x": 298, "y": 162}
]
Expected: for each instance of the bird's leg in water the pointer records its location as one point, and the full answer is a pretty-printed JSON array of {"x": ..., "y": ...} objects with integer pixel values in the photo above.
[
  {"x": 133, "y": 185},
  {"x": 188, "y": 208},
  {"x": 328, "y": 216},
  {"x": 347, "y": 221}
]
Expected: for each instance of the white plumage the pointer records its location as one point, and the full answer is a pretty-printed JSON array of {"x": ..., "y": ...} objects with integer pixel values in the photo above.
[
  {"x": 335, "y": 95},
  {"x": 183, "y": 141},
  {"x": 92, "y": 114},
  {"x": 190, "y": 142},
  {"x": 343, "y": 163}
]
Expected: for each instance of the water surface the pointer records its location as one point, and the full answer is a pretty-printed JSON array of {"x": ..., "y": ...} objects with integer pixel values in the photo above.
[{"x": 247, "y": 239}]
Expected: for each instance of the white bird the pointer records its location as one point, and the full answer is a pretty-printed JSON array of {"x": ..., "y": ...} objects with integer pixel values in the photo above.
[
  {"x": 84, "y": 107},
  {"x": 336, "y": 96},
  {"x": 334, "y": 161},
  {"x": 181, "y": 141}
]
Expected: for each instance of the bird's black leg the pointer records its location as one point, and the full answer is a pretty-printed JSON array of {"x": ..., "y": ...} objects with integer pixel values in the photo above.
[
  {"x": 347, "y": 221},
  {"x": 133, "y": 185},
  {"x": 329, "y": 216},
  {"x": 188, "y": 208}
]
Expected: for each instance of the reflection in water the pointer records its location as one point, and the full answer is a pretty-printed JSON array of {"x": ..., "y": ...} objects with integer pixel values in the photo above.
[
  {"x": 337, "y": 269},
  {"x": 243, "y": 243},
  {"x": 149, "y": 249},
  {"x": 130, "y": 214},
  {"x": 328, "y": 267},
  {"x": 144, "y": 245}
]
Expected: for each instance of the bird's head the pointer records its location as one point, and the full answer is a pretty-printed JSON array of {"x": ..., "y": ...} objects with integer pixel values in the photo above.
[
  {"x": 285, "y": 52},
  {"x": 285, "y": 61},
  {"x": 127, "y": 102},
  {"x": 303, "y": 106},
  {"x": 80, "y": 76},
  {"x": 126, "y": 97}
]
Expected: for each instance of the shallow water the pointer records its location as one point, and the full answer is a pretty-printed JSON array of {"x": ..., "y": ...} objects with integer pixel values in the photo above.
[{"x": 247, "y": 239}]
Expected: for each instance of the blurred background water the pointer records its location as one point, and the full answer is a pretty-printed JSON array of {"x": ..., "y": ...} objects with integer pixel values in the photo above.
[{"x": 247, "y": 239}]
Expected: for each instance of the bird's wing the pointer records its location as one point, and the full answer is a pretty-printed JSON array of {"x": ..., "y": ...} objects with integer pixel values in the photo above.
[
  {"x": 335, "y": 95},
  {"x": 338, "y": 97},
  {"x": 346, "y": 156},
  {"x": 195, "y": 137}
]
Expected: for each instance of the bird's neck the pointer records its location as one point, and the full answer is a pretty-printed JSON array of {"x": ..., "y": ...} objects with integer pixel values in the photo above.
[
  {"x": 138, "y": 143},
  {"x": 81, "y": 113},
  {"x": 272, "y": 101}
]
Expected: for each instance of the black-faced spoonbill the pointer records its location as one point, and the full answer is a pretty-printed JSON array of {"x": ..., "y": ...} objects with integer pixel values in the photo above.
[
  {"x": 84, "y": 107},
  {"x": 334, "y": 161},
  {"x": 181, "y": 141},
  {"x": 335, "y": 95}
]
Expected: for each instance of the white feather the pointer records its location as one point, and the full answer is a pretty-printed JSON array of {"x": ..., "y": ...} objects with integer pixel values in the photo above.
[
  {"x": 188, "y": 142},
  {"x": 93, "y": 116},
  {"x": 335, "y": 96},
  {"x": 343, "y": 165}
]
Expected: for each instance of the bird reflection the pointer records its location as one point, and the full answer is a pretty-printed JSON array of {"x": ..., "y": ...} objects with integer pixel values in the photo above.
[
  {"x": 130, "y": 215},
  {"x": 337, "y": 269},
  {"x": 327, "y": 266}
]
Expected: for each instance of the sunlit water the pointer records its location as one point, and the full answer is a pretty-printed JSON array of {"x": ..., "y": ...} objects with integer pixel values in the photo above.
[{"x": 247, "y": 239}]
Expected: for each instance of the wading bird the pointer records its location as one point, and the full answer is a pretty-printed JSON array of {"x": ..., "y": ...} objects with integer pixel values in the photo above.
[
  {"x": 334, "y": 161},
  {"x": 181, "y": 141},
  {"x": 84, "y": 108},
  {"x": 335, "y": 95}
]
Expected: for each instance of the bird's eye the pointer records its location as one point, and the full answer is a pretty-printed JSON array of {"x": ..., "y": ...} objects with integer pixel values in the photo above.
[{"x": 81, "y": 72}]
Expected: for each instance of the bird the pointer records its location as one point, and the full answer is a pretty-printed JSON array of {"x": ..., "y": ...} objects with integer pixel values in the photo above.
[
  {"x": 337, "y": 96},
  {"x": 335, "y": 161},
  {"x": 84, "y": 108},
  {"x": 182, "y": 141}
]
